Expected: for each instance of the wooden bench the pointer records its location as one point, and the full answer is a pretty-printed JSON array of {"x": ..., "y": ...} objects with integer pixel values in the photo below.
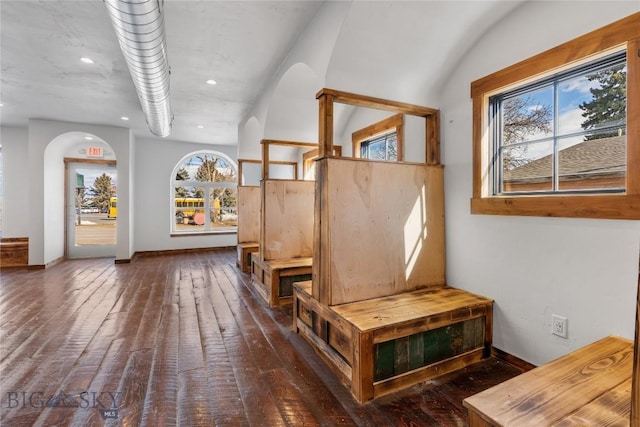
[
  {"x": 382, "y": 345},
  {"x": 244, "y": 255},
  {"x": 14, "y": 252},
  {"x": 274, "y": 279},
  {"x": 588, "y": 387}
]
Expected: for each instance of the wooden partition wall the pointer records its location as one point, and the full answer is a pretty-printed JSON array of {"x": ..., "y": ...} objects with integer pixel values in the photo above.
[
  {"x": 379, "y": 226},
  {"x": 249, "y": 202},
  {"x": 248, "y": 214},
  {"x": 382, "y": 228},
  {"x": 287, "y": 219},
  {"x": 286, "y": 222}
]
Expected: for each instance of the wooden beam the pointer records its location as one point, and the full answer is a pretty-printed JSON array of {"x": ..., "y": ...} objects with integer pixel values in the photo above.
[
  {"x": 376, "y": 103},
  {"x": 289, "y": 143},
  {"x": 265, "y": 154},
  {"x": 271, "y": 162}
]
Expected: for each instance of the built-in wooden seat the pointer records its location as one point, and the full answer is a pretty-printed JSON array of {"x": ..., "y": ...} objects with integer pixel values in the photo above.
[
  {"x": 588, "y": 387},
  {"x": 245, "y": 250},
  {"x": 274, "y": 279},
  {"x": 384, "y": 344},
  {"x": 14, "y": 252}
]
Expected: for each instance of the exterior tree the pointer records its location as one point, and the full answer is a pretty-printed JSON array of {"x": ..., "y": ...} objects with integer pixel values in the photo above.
[
  {"x": 182, "y": 175},
  {"x": 215, "y": 170},
  {"x": 608, "y": 108},
  {"x": 101, "y": 192},
  {"x": 522, "y": 117}
]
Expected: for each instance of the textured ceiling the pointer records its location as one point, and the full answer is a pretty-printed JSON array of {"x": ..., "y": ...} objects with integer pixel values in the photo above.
[{"x": 240, "y": 44}]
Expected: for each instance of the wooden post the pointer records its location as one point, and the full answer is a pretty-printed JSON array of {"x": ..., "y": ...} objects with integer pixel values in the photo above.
[
  {"x": 325, "y": 136},
  {"x": 321, "y": 269},
  {"x": 433, "y": 138},
  {"x": 265, "y": 159}
]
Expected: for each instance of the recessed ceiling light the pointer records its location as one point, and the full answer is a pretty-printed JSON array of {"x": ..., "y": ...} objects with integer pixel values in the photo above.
[
  {"x": 88, "y": 138},
  {"x": 124, "y": 118},
  {"x": 1, "y": 104},
  {"x": 211, "y": 82},
  {"x": 200, "y": 127},
  {"x": 86, "y": 60}
]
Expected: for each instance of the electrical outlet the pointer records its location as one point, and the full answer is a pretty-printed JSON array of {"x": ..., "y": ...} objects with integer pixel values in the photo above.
[{"x": 559, "y": 326}]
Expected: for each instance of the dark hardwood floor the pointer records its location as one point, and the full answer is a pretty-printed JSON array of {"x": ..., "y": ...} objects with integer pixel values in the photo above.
[{"x": 183, "y": 340}]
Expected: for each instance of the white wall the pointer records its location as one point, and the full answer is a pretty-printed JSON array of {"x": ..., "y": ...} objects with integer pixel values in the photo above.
[
  {"x": 34, "y": 188},
  {"x": 15, "y": 181},
  {"x": 308, "y": 58},
  {"x": 252, "y": 174},
  {"x": 45, "y": 204},
  {"x": 155, "y": 162},
  {"x": 583, "y": 269},
  {"x": 52, "y": 205}
]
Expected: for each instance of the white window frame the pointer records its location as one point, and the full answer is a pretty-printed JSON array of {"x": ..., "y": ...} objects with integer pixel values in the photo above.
[{"x": 208, "y": 187}]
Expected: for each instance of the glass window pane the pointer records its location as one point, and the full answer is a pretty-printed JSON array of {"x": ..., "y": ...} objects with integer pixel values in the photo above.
[
  {"x": 210, "y": 204},
  {"x": 594, "y": 163},
  {"x": 528, "y": 167},
  {"x": 572, "y": 93},
  {"x": 527, "y": 116},
  {"x": 377, "y": 150},
  {"x": 189, "y": 208},
  {"x": 223, "y": 204},
  {"x": 392, "y": 147}
]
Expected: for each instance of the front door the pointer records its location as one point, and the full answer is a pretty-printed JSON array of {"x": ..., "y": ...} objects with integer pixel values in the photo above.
[{"x": 91, "y": 210}]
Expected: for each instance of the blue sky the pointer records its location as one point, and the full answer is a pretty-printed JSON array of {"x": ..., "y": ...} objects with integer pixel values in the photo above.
[{"x": 571, "y": 93}]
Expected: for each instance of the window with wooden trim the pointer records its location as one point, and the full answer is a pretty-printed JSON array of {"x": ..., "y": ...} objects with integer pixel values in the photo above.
[
  {"x": 563, "y": 134},
  {"x": 559, "y": 134},
  {"x": 380, "y": 141}
]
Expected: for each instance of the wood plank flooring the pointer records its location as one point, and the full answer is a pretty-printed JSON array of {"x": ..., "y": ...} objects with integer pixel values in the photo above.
[{"x": 183, "y": 340}]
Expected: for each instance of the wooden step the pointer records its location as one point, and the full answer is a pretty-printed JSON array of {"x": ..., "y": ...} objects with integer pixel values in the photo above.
[
  {"x": 274, "y": 279},
  {"x": 381, "y": 345},
  {"x": 244, "y": 255}
]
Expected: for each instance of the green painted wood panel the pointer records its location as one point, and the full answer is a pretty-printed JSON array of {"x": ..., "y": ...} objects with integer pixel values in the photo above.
[
  {"x": 286, "y": 284},
  {"x": 404, "y": 354},
  {"x": 383, "y": 356}
]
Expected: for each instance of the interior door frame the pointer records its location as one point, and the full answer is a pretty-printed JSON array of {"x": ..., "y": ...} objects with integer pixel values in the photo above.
[{"x": 67, "y": 162}]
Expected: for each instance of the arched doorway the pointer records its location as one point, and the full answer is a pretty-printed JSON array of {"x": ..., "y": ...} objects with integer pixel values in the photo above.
[
  {"x": 91, "y": 209},
  {"x": 72, "y": 162}
]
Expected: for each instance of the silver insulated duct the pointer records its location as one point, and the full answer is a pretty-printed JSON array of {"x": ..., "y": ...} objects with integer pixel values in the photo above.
[{"x": 139, "y": 25}]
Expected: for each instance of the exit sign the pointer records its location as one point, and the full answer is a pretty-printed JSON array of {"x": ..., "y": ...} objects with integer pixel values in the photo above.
[{"x": 94, "y": 151}]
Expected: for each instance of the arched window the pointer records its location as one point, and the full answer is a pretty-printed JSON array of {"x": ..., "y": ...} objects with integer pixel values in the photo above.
[{"x": 204, "y": 189}]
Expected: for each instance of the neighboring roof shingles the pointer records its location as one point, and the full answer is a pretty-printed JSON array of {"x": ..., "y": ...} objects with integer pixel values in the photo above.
[{"x": 595, "y": 157}]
